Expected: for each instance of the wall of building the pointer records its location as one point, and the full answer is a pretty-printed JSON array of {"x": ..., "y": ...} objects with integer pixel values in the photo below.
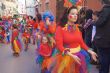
[
  {"x": 21, "y": 7},
  {"x": 30, "y": 8},
  {"x": 46, "y": 5},
  {"x": 8, "y": 7},
  {"x": 94, "y": 4},
  {"x": 0, "y": 8}
]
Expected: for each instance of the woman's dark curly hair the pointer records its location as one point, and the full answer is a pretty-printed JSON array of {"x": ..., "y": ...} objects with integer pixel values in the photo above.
[
  {"x": 64, "y": 18},
  {"x": 89, "y": 13}
]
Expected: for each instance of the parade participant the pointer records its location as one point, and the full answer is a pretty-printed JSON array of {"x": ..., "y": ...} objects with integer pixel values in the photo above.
[
  {"x": 45, "y": 51},
  {"x": 8, "y": 36},
  {"x": 2, "y": 34},
  {"x": 7, "y": 28},
  {"x": 73, "y": 56},
  {"x": 15, "y": 41},
  {"x": 37, "y": 29},
  {"x": 23, "y": 23},
  {"x": 35, "y": 25},
  {"x": 49, "y": 26},
  {"x": 30, "y": 24},
  {"x": 26, "y": 36}
]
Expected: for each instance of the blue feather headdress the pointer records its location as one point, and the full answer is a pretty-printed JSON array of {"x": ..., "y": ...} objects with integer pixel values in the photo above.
[{"x": 49, "y": 15}]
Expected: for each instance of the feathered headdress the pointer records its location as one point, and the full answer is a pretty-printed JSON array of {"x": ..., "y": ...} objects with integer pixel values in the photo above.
[
  {"x": 49, "y": 15},
  {"x": 69, "y": 3}
]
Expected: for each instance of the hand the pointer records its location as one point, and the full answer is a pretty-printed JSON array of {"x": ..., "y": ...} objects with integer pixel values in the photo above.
[
  {"x": 93, "y": 55},
  {"x": 76, "y": 58}
]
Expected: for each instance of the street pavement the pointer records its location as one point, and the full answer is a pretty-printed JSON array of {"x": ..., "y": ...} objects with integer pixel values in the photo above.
[{"x": 25, "y": 63}]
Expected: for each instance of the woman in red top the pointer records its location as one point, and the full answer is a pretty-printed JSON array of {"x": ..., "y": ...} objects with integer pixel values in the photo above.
[{"x": 73, "y": 51}]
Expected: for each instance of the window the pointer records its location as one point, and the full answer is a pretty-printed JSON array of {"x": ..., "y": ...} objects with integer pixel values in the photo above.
[{"x": 47, "y": 5}]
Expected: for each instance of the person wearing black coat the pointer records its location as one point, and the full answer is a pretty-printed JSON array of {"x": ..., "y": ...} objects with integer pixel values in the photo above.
[{"x": 102, "y": 37}]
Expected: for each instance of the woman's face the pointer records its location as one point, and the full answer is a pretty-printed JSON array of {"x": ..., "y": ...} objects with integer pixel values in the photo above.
[
  {"x": 73, "y": 15},
  {"x": 48, "y": 21}
]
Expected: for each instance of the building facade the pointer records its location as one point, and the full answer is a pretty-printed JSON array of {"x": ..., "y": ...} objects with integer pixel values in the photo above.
[
  {"x": 47, "y": 5},
  {"x": 9, "y": 7},
  {"x": 95, "y": 5},
  {"x": 21, "y": 7},
  {"x": 30, "y": 7}
]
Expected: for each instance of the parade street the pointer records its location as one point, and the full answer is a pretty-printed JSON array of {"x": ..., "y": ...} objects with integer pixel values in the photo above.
[{"x": 25, "y": 63}]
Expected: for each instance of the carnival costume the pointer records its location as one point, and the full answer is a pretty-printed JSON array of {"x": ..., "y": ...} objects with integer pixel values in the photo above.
[{"x": 69, "y": 39}]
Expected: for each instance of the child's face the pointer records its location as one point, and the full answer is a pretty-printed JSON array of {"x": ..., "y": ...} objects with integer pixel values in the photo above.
[{"x": 44, "y": 40}]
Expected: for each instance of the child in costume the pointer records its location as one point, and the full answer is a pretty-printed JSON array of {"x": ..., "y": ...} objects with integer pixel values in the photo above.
[
  {"x": 16, "y": 44},
  {"x": 45, "y": 51}
]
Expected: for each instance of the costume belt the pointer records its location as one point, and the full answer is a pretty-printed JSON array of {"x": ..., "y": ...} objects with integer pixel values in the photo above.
[{"x": 74, "y": 50}]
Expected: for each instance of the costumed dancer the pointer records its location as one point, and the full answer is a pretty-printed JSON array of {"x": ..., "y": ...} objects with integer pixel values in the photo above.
[
  {"x": 49, "y": 26},
  {"x": 16, "y": 44},
  {"x": 7, "y": 28},
  {"x": 30, "y": 24},
  {"x": 26, "y": 36},
  {"x": 2, "y": 34},
  {"x": 73, "y": 56},
  {"x": 37, "y": 27}
]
